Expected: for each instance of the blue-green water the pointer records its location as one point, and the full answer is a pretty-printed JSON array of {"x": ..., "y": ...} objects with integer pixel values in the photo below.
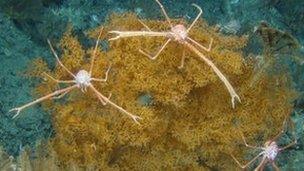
[{"x": 26, "y": 24}]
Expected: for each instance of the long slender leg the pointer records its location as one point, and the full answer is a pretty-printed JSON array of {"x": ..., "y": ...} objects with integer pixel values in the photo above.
[
  {"x": 250, "y": 146},
  {"x": 197, "y": 17},
  {"x": 276, "y": 168},
  {"x": 231, "y": 90},
  {"x": 142, "y": 23},
  {"x": 294, "y": 142},
  {"x": 102, "y": 100},
  {"x": 58, "y": 81},
  {"x": 124, "y": 34},
  {"x": 261, "y": 166},
  {"x": 94, "y": 53},
  {"x": 159, "y": 51},
  {"x": 182, "y": 61},
  {"x": 281, "y": 132},
  {"x": 165, "y": 13},
  {"x": 134, "y": 117},
  {"x": 58, "y": 60},
  {"x": 58, "y": 92},
  {"x": 201, "y": 46},
  {"x": 277, "y": 136},
  {"x": 103, "y": 79},
  {"x": 247, "y": 164},
  {"x": 7, "y": 163},
  {"x": 61, "y": 95}
]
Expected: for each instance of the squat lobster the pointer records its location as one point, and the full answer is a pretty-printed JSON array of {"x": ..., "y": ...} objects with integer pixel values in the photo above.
[
  {"x": 82, "y": 80},
  {"x": 269, "y": 152},
  {"x": 179, "y": 33}
]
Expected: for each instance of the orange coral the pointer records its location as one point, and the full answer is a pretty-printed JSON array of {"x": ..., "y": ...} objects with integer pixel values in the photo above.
[{"x": 190, "y": 125}]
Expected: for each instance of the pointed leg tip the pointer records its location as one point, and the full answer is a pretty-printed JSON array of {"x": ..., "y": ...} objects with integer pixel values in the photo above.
[
  {"x": 137, "y": 122},
  {"x": 15, "y": 116},
  {"x": 232, "y": 103},
  {"x": 194, "y": 4},
  {"x": 136, "y": 118},
  {"x": 233, "y": 100},
  {"x": 140, "y": 50},
  {"x": 17, "y": 113}
]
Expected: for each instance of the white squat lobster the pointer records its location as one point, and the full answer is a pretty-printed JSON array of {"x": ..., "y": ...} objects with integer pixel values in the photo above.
[
  {"x": 82, "y": 80},
  {"x": 269, "y": 152},
  {"x": 179, "y": 33}
]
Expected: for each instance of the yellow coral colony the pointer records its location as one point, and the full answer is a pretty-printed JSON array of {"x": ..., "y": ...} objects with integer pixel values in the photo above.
[{"x": 189, "y": 125}]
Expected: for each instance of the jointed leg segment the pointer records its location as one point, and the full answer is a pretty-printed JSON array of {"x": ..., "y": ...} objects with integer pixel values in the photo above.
[
  {"x": 58, "y": 60},
  {"x": 103, "y": 79},
  {"x": 165, "y": 13},
  {"x": 197, "y": 17},
  {"x": 56, "y": 80},
  {"x": 142, "y": 23},
  {"x": 103, "y": 101},
  {"x": 94, "y": 53},
  {"x": 276, "y": 168},
  {"x": 107, "y": 100},
  {"x": 200, "y": 46},
  {"x": 183, "y": 60},
  {"x": 247, "y": 164},
  {"x": 55, "y": 93},
  {"x": 61, "y": 95},
  {"x": 251, "y": 161},
  {"x": 158, "y": 52},
  {"x": 294, "y": 142},
  {"x": 250, "y": 146},
  {"x": 262, "y": 164},
  {"x": 231, "y": 90}
]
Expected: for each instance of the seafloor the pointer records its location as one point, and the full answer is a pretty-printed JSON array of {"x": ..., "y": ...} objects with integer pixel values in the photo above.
[{"x": 26, "y": 24}]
